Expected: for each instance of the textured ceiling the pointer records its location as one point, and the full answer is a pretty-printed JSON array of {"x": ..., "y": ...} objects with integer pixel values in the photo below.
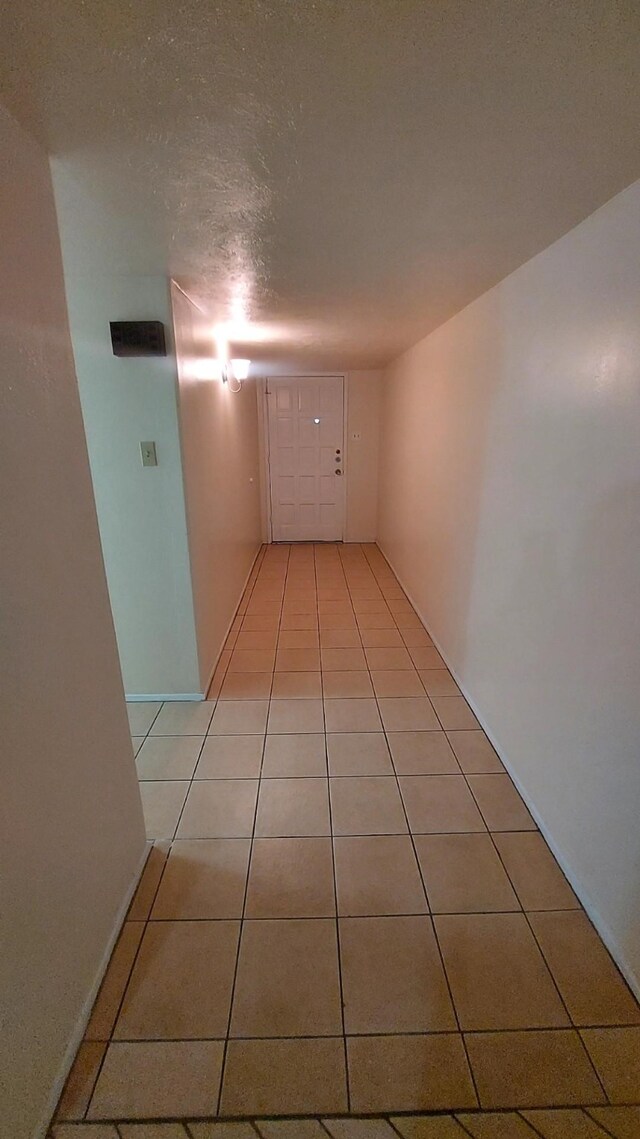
[{"x": 342, "y": 175}]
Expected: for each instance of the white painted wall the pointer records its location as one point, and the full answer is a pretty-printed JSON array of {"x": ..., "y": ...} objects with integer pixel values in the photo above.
[
  {"x": 141, "y": 510},
  {"x": 510, "y": 509},
  {"x": 220, "y": 456},
  {"x": 71, "y": 830},
  {"x": 362, "y": 436}
]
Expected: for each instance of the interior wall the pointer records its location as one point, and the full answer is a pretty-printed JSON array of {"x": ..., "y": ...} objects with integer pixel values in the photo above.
[
  {"x": 126, "y": 401},
  {"x": 510, "y": 509},
  {"x": 221, "y": 462},
  {"x": 362, "y": 437},
  {"x": 71, "y": 830}
]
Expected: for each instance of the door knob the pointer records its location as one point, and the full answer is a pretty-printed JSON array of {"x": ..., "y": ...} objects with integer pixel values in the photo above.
[{"x": 338, "y": 471}]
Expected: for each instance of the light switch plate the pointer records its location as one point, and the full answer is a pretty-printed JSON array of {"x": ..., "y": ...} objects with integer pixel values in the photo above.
[{"x": 149, "y": 456}]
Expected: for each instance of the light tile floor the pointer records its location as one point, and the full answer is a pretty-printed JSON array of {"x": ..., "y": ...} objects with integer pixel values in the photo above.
[{"x": 347, "y": 907}]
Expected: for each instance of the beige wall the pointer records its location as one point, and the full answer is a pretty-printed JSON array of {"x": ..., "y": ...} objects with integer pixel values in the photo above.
[
  {"x": 141, "y": 510},
  {"x": 219, "y": 438},
  {"x": 510, "y": 509},
  {"x": 71, "y": 831},
  {"x": 362, "y": 435}
]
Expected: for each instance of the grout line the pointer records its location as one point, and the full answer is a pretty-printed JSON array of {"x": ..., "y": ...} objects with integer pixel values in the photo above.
[
  {"x": 249, "y": 860},
  {"x": 335, "y": 882},
  {"x": 428, "y": 904}
]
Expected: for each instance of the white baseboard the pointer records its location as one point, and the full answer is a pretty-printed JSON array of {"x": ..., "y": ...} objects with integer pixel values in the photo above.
[
  {"x": 576, "y": 884},
  {"x": 77, "y": 1036},
  {"x": 142, "y": 697}
]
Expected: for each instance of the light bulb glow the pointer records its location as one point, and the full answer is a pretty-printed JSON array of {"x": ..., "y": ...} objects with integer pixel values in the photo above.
[{"x": 240, "y": 368}]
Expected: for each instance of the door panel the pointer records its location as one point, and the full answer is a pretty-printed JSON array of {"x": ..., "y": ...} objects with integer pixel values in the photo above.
[{"x": 307, "y": 496}]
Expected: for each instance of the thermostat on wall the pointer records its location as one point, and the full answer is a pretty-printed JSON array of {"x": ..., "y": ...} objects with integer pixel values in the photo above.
[{"x": 137, "y": 338}]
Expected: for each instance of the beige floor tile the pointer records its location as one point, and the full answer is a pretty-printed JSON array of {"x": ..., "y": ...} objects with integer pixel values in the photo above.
[
  {"x": 422, "y": 753},
  {"x": 536, "y": 876},
  {"x": 81, "y": 1079},
  {"x": 85, "y": 1131},
  {"x": 409, "y": 1073},
  {"x": 261, "y": 608},
  {"x": 168, "y": 757},
  {"x": 219, "y": 675},
  {"x": 392, "y": 976},
  {"x": 397, "y": 682},
  {"x": 137, "y": 742},
  {"x": 290, "y": 808},
  {"x": 370, "y": 604},
  {"x": 615, "y": 1053},
  {"x": 204, "y": 878},
  {"x": 252, "y": 660},
  {"x": 366, "y": 805},
  {"x": 426, "y": 657},
  {"x": 307, "y": 620},
  {"x": 337, "y": 621},
  {"x": 291, "y": 878},
  {"x": 141, "y": 716},
  {"x": 296, "y": 686},
  {"x": 240, "y": 718},
  {"x": 253, "y": 623},
  {"x": 298, "y": 660},
  {"x": 358, "y": 753},
  {"x": 428, "y": 1127},
  {"x": 152, "y": 1131},
  {"x": 532, "y": 1069},
  {"x": 564, "y": 1123},
  {"x": 381, "y": 639},
  {"x": 497, "y": 974},
  {"x": 294, "y": 755},
  {"x": 105, "y": 1010},
  {"x": 148, "y": 884},
  {"x": 158, "y": 1080},
  {"x": 231, "y": 757},
  {"x": 352, "y": 716},
  {"x": 497, "y": 1125},
  {"x": 287, "y": 981},
  {"x": 378, "y": 875},
  {"x": 474, "y": 752},
  {"x": 388, "y": 659},
  {"x": 339, "y": 639},
  {"x": 296, "y": 716},
  {"x": 161, "y": 806},
  {"x": 621, "y": 1122},
  {"x": 263, "y": 641},
  {"x": 408, "y": 714},
  {"x": 271, "y": 1077},
  {"x": 183, "y": 718},
  {"x": 220, "y": 808},
  {"x": 359, "y": 1129},
  {"x": 454, "y": 713},
  {"x": 416, "y": 638},
  {"x": 376, "y": 621},
  {"x": 500, "y": 803},
  {"x": 343, "y": 660},
  {"x": 439, "y": 803},
  {"x": 346, "y": 685},
  {"x": 463, "y": 874},
  {"x": 591, "y": 985},
  {"x": 438, "y": 682},
  {"x": 337, "y": 605},
  {"x": 174, "y": 993},
  {"x": 246, "y": 686},
  {"x": 290, "y": 1129},
  {"x": 298, "y": 639}
]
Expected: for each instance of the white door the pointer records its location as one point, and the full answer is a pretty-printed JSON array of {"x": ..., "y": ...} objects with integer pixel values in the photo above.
[{"x": 306, "y": 453}]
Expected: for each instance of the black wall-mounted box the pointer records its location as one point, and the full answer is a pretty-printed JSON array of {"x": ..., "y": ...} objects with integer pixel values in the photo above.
[{"x": 137, "y": 338}]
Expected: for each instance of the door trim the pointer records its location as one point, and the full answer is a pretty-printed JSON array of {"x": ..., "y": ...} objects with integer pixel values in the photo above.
[{"x": 263, "y": 415}]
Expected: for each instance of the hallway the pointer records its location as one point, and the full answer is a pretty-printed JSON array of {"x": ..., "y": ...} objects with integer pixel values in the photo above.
[{"x": 348, "y": 908}]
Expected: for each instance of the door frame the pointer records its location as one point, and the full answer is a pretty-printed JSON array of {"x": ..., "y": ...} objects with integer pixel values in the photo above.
[{"x": 263, "y": 433}]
